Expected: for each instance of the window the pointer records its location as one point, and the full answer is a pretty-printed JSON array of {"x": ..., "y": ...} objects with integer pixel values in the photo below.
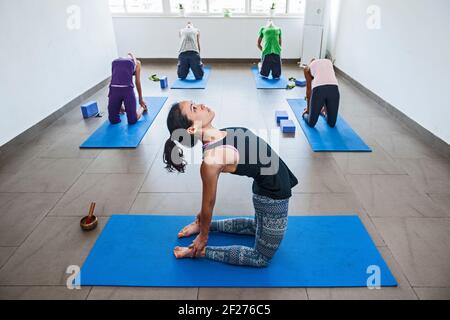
[
  {"x": 195, "y": 6},
  {"x": 144, "y": 6},
  {"x": 235, "y": 6},
  {"x": 136, "y": 6},
  {"x": 263, "y": 6},
  {"x": 214, "y": 7},
  {"x": 297, "y": 6},
  {"x": 116, "y": 6}
]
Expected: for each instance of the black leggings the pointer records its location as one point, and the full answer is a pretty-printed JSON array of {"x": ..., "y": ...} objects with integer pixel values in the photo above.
[
  {"x": 323, "y": 96},
  {"x": 271, "y": 63},
  {"x": 190, "y": 60}
]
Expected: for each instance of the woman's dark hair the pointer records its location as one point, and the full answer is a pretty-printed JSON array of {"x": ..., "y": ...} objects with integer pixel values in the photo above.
[{"x": 173, "y": 154}]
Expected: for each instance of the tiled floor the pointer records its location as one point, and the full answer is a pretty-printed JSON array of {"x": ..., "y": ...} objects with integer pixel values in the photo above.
[{"x": 401, "y": 192}]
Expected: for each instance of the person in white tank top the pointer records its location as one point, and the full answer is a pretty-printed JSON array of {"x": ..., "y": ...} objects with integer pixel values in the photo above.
[
  {"x": 190, "y": 39},
  {"x": 189, "y": 53}
]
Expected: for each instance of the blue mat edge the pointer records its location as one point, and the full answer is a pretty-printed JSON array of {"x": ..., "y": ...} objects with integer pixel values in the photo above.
[
  {"x": 255, "y": 72},
  {"x": 82, "y": 146},
  {"x": 174, "y": 86},
  {"x": 113, "y": 216},
  {"x": 302, "y": 124}
]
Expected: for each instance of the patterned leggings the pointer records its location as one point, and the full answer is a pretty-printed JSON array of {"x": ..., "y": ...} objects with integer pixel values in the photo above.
[{"x": 268, "y": 227}]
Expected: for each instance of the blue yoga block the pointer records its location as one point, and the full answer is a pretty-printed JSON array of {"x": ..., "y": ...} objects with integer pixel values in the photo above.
[
  {"x": 287, "y": 126},
  {"x": 300, "y": 83},
  {"x": 163, "y": 82},
  {"x": 281, "y": 115},
  {"x": 89, "y": 109}
]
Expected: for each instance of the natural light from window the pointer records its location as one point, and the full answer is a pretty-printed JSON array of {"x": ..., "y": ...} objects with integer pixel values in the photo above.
[
  {"x": 208, "y": 7},
  {"x": 218, "y": 6},
  {"x": 144, "y": 6},
  {"x": 190, "y": 6}
]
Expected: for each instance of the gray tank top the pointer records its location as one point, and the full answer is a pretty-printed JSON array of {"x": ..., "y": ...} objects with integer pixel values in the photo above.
[{"x": 189, "y": 39}]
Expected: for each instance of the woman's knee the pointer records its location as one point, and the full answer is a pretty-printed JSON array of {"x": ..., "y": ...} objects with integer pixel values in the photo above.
[
  {"x": 262, "y": 262},
  {"x": 132, "y": 119},
  {"x": 114, "y": 119},
  {"x": 310, "y": 121},
  {"x": 198, "y": 74},
  {"x": 331, "y": 123}
]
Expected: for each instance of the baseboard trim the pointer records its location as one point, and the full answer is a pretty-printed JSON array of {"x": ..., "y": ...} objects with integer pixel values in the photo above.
[
  {"x": 213, "y": 60},
  {"x": 31, "y": 133},
  {"x": 425, "y": 135}
]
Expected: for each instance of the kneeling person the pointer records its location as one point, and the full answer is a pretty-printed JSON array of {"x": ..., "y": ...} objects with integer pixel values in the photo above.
[
  {"x": 121, "y": 90},
  {"x": 189, "y": 53},
  {"x": 269, "y": 42},
  {"x": 324, "y": 99}
]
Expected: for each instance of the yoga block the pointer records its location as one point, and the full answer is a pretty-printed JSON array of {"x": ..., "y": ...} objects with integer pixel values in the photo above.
[
  {"x": 287, "y": 126},
  {"x": 89, "y": 109},
  {"x": 163, "y": 82},
  {"x": 300, "y": 83},
  {"x": 281, "y": 115}
]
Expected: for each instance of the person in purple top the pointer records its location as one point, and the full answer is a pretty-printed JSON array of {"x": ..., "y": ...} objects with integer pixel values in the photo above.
[{"x": 121, "y": 90}]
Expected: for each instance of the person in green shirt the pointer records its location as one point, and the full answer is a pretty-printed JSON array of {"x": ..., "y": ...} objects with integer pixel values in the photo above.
[{"x": 269, "y": 42}]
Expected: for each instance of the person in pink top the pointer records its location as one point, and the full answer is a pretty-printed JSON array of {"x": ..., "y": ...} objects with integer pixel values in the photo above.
[{"x": 322, "y": 92}]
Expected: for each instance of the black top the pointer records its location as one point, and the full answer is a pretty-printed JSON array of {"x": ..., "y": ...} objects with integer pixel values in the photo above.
[{"x": 272, "y": 177}]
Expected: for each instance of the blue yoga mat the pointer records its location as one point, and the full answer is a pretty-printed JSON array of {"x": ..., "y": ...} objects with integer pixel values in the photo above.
[
  {"x": 191, "y": 83},
  {"x": 323, "y": 138},
  {"x": 269, "y": 83},
  {"x": 123, "y": 135},
  {"x": 137, "y": 250}
]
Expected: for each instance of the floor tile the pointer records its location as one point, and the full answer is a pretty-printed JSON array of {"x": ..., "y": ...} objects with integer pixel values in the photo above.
[
  {"x": 42, "y": 293},
  {"x": 42, "y": 260},
  {"x": 405, "y": 146},
  {"x": 442, "y": 200},
  {"x": 124, "y": 161},
  {"x": 317, "y": 175},
  {"x": 252, "y": 294},
  {"x": 375, "y": 162},
  {"x": 428, "y": 175},
  {"x": 21, "y": 213},
  {"x": 123, "y": 293},
  {"x": 420, "y": 246},
  {"x": 112, "y": 194},
  {"x": 392, "y": 196},
  {"x": 68, "y": 146},
  {"x": 433, "y": 293},
  {"x": 5, "y": 254},
  {"x": 44, "y": 175}
]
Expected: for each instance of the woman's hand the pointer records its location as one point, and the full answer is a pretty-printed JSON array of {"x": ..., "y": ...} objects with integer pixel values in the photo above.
[
  {"x": 305, "y": 112},
  {"x": 143, "y": 104},
  {"x": 199, "y": 245}
]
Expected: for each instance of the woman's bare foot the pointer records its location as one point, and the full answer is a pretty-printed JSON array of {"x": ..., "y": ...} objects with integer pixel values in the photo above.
[
  {"x": 190, "y": 229},
  {"x": 185, "y": 252}
]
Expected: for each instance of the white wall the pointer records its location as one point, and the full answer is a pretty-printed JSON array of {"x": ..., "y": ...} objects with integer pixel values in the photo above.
[
  {"x": 44, "y": 65},
  {"x": 333, "y": 10},
  {"x": 157, "y": 37},
  {"x": 406, "y": 61}
]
